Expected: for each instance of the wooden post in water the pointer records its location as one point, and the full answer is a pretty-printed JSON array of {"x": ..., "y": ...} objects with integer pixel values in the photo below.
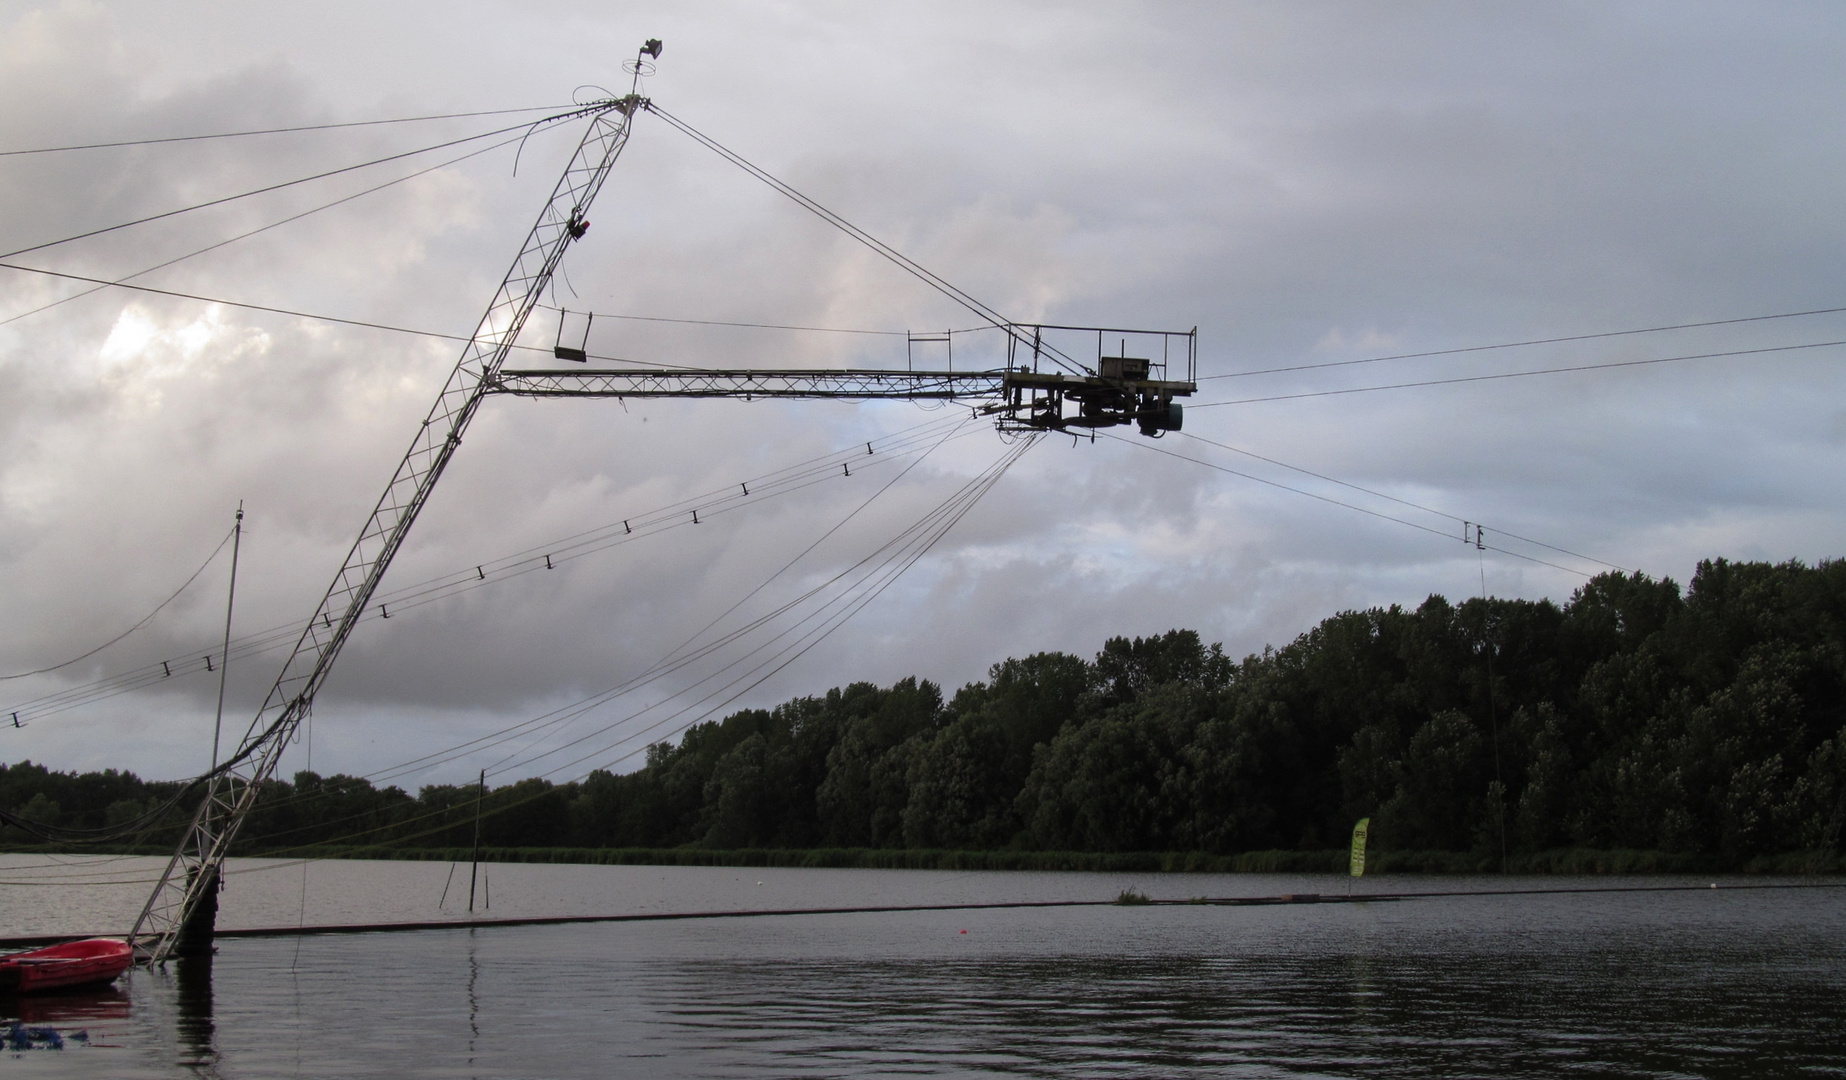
[
  {"x": 224, "y": 660},
  {"x": 475, "y": 864}
]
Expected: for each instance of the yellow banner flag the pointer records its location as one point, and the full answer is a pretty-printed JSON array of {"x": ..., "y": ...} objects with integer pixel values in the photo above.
[{"x": 1358, "y": 846}]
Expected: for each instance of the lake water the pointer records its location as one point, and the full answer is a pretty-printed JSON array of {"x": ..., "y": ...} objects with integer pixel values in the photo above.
[{"x": 1725, "y": 982}]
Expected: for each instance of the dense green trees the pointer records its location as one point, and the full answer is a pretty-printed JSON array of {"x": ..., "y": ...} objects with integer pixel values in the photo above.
[{"x": 1634, "y": 716}]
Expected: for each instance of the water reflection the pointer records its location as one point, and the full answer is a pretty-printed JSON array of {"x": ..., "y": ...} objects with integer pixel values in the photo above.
[
  {"x": 196, "y": 1027},
  {"x": 1381, "y": 1016},
  {"x": 1695, "y": 985},
  {"x": 55, "y": 1021},
  {"x": 72, "y": 1009},
  {"x": 474, "y": 997}
]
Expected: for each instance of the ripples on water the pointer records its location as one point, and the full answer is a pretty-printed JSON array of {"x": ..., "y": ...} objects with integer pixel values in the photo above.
[{"x": 1715, "y": 983}]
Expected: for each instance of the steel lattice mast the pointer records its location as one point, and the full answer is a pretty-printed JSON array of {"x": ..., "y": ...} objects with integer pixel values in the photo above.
[{"x": 179, "y": 913}]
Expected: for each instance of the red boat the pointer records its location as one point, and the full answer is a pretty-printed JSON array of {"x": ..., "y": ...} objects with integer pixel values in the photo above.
[{"x": 92, "y": 962}]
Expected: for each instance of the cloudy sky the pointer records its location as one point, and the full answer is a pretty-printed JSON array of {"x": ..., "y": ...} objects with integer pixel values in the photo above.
[{"x": 1305, "y": 183}]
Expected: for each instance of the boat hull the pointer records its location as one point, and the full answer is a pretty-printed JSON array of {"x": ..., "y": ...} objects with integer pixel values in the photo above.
[{"x": 91, "y": 962}]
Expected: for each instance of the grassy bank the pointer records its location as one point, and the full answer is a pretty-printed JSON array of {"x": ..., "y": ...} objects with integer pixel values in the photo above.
[{"x": 1563, "y": 861}]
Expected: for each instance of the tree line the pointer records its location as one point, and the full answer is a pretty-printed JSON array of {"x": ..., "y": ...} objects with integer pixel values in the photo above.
[{"x": 1636, "y": 716}]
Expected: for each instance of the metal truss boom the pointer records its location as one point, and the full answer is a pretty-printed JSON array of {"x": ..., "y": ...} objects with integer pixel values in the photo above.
[
  {"x": 1021, "y": 398},
  {"x": 848, "y": 384}
]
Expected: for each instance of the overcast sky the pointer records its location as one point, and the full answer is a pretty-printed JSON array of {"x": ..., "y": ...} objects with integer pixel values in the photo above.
[{"x": 1305, "y": 183}]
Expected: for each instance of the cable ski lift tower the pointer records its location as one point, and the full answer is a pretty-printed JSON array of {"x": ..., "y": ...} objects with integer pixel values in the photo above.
[
  {"x": 1023, "y": 395},
  {"x": 180, "y": 913}
]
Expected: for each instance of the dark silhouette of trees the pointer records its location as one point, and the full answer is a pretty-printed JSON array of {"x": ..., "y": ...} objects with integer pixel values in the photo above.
[{"x": 1636, "y": 716}]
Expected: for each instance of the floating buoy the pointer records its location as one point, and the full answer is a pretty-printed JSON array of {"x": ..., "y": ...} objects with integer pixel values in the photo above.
[{"x": 964, "y": 931}]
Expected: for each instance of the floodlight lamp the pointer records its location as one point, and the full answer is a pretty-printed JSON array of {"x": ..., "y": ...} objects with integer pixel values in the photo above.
[{"x": 652, "y": 48}]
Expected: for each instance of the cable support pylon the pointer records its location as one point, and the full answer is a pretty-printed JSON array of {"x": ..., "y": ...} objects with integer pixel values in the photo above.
[{"x": 179, "y": 914}]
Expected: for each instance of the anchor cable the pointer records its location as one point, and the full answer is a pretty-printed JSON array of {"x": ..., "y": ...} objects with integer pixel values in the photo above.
[
  {"x": 891, "y": 254},
  {"x": 222, "y": 200},
  {"x": 122, "y": 281},
  {"x": 1336, "y": 502},
  {"x": 1395, "y": 499},
  {"x": 1456, "y": 380},
  {"x": 789, "y": 480},
  {"x": 1528, "y": 342}
]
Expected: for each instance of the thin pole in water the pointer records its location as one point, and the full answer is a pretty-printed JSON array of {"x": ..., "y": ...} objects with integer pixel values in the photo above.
[
  {"x": 475, "y": 867},
  {"x": 224, "y": 665},
  {"x": 1493, "y": 712}
]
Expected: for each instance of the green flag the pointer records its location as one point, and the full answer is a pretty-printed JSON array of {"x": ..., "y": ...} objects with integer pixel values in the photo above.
[{"x": 1358, "y": 846}]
